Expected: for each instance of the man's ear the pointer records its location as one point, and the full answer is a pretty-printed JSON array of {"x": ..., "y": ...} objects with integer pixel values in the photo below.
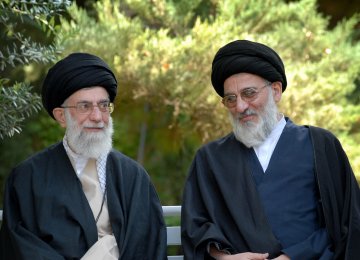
[
  {"x": 59, "y": 114},
  {"x": 277, "y": 90}
]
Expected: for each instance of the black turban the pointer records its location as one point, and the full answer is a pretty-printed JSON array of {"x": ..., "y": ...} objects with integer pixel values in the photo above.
[
  {"x": 76, "y": 71},
  {"x": 246, "y": 56}
]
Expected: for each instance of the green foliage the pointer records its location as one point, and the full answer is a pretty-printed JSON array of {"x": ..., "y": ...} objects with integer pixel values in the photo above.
[
  {"x": 162, "y": 53},
  {"x": 175, "y": 16},
  {"x": 18, "y": 20},
  {"x": 17, "y": 17},
  {"x": 15, "y": 101}
]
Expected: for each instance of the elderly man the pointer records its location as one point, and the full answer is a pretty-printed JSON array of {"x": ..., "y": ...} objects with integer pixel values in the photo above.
[
  {"x": 79, "y": 198},
  {"x": 271, "y": 189}
]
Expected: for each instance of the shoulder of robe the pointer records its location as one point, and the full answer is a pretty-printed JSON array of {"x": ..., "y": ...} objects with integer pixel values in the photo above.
[
  {"x": 39, "y": 161},
  {"x": 117, "y": 159}
]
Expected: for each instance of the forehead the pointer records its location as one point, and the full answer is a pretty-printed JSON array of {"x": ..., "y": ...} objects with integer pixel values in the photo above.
[
  {"x": 241, "y": 81},
  {"x": 92, "y": 94}
]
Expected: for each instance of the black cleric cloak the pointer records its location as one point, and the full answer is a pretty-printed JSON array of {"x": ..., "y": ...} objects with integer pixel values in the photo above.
[
  {"x": 221, "y": 203},
  {"x": 47, "y": 216}
]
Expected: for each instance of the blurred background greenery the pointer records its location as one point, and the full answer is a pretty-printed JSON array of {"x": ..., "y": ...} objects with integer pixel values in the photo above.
[{"x": 161, "y": 52}]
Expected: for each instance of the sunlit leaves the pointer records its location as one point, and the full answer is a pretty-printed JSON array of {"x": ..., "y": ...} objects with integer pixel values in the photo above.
[
  {"x": 17, "y": 103},
  {"x": 18, "y": 21}
]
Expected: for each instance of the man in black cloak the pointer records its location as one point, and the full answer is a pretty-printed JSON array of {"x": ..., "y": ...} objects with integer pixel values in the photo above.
[
  {"x": 79, "y": 198},
  {"x": 271, "y": 189}
]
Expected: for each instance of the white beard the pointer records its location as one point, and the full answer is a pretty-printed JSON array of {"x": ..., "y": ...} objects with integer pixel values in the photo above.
[
  {"x": 255, "y": 133},
  {"x": 91, "y": 145}
]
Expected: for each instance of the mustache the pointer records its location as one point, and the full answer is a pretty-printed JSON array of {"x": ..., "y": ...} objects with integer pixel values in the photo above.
[
  {"x": 248, "y": 112},
  {"x": 95, "y": 125}
]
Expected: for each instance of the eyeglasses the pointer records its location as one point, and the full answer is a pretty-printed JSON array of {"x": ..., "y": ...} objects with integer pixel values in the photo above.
[
  {"x": 247, "y": 95},
  {"x": 88, "y": 107}
]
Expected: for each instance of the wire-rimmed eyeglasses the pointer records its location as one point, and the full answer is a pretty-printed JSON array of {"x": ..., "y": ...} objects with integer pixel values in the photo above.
[
  {"x": 87, "y": 107},
  {"x": 247, "y": 95}
]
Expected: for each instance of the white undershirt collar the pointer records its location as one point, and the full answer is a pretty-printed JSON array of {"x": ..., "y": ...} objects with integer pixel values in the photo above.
[{"x": 265, "y": 150}]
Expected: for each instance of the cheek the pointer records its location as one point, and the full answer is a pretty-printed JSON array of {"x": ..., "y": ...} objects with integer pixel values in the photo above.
[
  {"x": 260, "y": 105},
  {"x": 80, "y": 120},
  {"x": 105, "y": 118},
  {"x": 233, "y": 111}
]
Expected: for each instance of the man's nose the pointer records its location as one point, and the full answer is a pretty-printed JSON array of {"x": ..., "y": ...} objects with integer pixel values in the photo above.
[
  {"x": 241, "y": 105},
  {"x": 95, "y": 114}
]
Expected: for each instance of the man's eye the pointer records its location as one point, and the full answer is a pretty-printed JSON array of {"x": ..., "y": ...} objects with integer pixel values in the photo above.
[
  {"x": 104, "y": 104},
  {"x": 231, "y": 98},
  {"x": 84, "y": 106},
  {"x": 248, "y": 92}
]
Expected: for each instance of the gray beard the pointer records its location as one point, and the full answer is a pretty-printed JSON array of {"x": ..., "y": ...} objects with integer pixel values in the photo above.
[
  {"x": 91, "y": 145},
  {"x": 253, "y": 134}
]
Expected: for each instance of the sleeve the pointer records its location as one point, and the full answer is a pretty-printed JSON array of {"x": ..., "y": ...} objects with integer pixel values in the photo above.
[
  {"x": 135, "y": 211},
  {"x": 316, "y": 246},
  {"x": 340, "y": 194},
  {"x": 17, "y": 241},
  {"x": 157, "y": 248},
  {"x": 218, "y": 247},
  {"x": 197, "y": 228}
]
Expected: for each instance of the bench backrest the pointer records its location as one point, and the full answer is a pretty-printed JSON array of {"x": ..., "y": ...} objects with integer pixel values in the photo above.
[{"x": 173, "y": 232}]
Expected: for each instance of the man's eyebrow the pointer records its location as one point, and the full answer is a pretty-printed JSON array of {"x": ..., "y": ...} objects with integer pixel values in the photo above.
[
  {"x": 229, "y": 93},
  {"x": 88, "y": 101},
  {"x": 234, "y": 92},
  {"x": 251, "y": 87}
]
